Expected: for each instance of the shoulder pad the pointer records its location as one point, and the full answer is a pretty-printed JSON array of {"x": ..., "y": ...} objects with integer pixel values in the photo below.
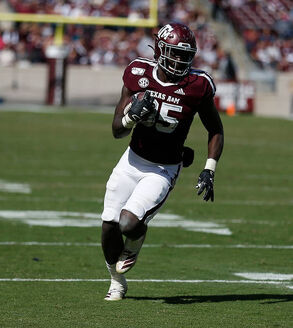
[{"x": 205, "y": 75}]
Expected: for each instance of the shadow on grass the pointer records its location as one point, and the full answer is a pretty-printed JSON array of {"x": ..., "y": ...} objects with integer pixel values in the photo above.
[{"x": 188, "y": 299}]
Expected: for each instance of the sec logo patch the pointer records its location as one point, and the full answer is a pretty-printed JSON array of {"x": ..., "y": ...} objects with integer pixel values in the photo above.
[{"x": 143, "y": 82}]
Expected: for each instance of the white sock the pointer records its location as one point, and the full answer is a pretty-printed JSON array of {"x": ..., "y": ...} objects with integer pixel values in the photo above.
[{"x": 113, "y": 273}]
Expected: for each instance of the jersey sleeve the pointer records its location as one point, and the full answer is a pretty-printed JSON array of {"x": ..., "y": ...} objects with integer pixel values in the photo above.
[
  {"x": 130, "y": 79},
  {"x": 209, "y": 86},
  {"x": 203, "y": 87}
]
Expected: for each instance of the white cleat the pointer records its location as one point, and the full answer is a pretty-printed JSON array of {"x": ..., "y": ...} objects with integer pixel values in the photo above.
[
  {"x": 128, "y": 257},
  {"x": 126, "y": 261},
  {"x": 117, "y": 290}
]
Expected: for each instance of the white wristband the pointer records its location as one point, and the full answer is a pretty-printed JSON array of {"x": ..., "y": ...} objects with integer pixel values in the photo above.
[
  {"x": 127, "y": 122},
  {"x": 211, "y": 164}
]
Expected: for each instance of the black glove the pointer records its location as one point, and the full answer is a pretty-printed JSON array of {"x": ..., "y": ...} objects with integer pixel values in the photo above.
[
  {"x": 141, "y": 109},
  {"x": 206, "y": 182}
]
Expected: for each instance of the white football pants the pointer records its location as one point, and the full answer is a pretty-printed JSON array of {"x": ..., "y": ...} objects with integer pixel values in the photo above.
[{"x": 139, "y": 186}]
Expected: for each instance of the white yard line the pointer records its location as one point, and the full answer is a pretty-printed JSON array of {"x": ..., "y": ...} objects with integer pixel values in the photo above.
[
  {"x": 36, "y": 243},
  {"x": 78, "y": 219},
  {"x": 239, "y": 246},
  {"x": 15, "y": 187},
  {"x": 31, "y": 199},
  {"x": 55, "y": 110},
  {"x": 235, "y": 202},
  {"x": 189, "y": 281},
  {"x": 265, "y": 276}
]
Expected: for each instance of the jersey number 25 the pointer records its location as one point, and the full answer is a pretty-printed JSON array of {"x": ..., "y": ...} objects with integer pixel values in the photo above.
[{"x": 165, "y": 122}]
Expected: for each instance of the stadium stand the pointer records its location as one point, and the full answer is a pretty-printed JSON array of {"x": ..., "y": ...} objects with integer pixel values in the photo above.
[
  {"x": 266, "y": 27},
  {"x": 77, "y": 8},
  {"x": 257, "y": 35},
  {"x": 96, "y": 45}
]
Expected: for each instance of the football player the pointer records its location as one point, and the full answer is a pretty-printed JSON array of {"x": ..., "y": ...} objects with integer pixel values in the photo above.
[{"x": 158, "y": 102}]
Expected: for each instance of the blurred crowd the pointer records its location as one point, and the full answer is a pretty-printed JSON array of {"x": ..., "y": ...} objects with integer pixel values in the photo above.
[
  {"x": 266, "y": 27},
  {"x": 96, "y": 45},
  {"x": 77, "y": 8}
]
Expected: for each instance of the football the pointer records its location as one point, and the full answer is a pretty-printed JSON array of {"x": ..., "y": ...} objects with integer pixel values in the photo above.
[
  {"x": 150, "y": 121},
  {"x": 138, "y": 95}
]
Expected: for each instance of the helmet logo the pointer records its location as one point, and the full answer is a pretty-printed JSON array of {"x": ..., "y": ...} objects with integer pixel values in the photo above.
[
  {"x": 165, "y": 31},
  {"x": 143, "y": 82},
  {"x": 175, "y": 48}
]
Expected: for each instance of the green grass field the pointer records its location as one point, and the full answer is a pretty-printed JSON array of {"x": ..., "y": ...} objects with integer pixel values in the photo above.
[{"x": 203, "y": 265}]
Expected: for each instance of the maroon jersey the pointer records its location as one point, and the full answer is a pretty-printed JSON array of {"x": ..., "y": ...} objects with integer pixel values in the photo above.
[{"x": 176, "y": 104}]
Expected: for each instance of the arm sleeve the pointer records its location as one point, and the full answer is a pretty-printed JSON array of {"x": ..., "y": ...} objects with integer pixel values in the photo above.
[
  {"x": 209, "y": 87},
  {"x": 130, "y": 80}
]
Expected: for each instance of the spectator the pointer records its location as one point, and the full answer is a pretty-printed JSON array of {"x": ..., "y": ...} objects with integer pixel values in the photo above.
[
  {"x": 7, "y": 56},
  {"x": 227, "y": 67},
  {"x": 95, "y": 45},
  {"x": 216, "y": 9},
  {"x": 2, "y": 44},
  {"x": 21, "y": 54},
  {"x": 144, "y": 45},
  {"x": 265, "y": 27},
  {"x": 261, "y": 55},
  {"x": 284, "y": 26}
]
